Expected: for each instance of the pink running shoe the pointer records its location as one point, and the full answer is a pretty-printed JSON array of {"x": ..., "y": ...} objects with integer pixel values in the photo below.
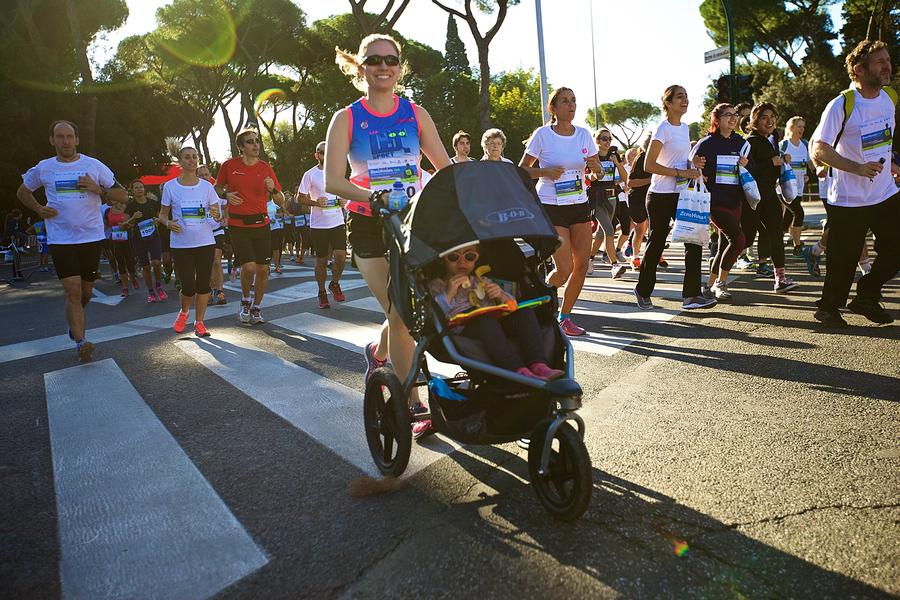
[
  {"x": 180, "y": 322},
  {"x": 151, "y": 298},
  {"x": 161, "y": 294},
  {"x": 570, "y": 328}
]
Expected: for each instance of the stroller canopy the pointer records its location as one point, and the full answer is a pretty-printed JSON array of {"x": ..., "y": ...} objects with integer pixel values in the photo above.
[{"x": 478, "y": 200}]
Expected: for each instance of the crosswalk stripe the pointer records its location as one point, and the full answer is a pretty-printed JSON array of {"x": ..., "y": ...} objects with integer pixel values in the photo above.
[
  {"x": 136, "y": 517},
  {"x": 327, "y": 411},
  {"x": 350, "y": 336},
  {"x": 108, "y": 333}
]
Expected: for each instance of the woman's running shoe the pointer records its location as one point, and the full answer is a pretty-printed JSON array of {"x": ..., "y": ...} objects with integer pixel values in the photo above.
[
  {"x": 636, "y": 263},
  {"x": 812, "y": 261},
  {"x": 372, "y": 363},
  {"x": 200, "y": 329},
  {"x": 135, "y": 284},
  {"x": 180, "y": 322},
  {"x": 221, "y": 300},
  {"x": 421, "y": 427},
  {"x": 629, "y": 249},
  {"x": 873, "y": 311},
  {"x": 336, "y": 291},
  {"x": 590, "y": 267},
  {"x": 643, "y": 303},
  {"x": 151, "y": 298},
  {"x": 830, "y": 318},
  {"x": 256, "y": 316},
  {"x": 161, "y": 294},
  {"x": 785, "y": 285},
  {"x": 618, "y": 269},
  {"x": 698, "y": 302},
  {"x": 663, "y": 263},
  {"x": 570, "y": 328},
  {"x": 124, "y": 293},
  {"x": 720, "y": 289},
  {"x": 707, "y": 292}
]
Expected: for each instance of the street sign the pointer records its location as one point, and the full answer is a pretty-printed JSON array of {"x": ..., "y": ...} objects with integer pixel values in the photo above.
[{"x": 714, "y": 55}]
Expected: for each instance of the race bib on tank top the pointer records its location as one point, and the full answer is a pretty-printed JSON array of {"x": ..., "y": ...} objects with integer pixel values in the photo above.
[{"x": 384, "y": 149}]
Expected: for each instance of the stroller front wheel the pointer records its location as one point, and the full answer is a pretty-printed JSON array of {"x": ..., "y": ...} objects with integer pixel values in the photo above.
[
  {"x": 566, "y": 487},
  {"x": 386, "y": 419}
]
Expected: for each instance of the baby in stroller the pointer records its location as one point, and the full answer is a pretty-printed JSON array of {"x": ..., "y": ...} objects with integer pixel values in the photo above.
[{"x": 458, "y": 291}]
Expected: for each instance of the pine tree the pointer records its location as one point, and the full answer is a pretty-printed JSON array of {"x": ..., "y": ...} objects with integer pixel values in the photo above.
[{"x": 456, "y": 61}]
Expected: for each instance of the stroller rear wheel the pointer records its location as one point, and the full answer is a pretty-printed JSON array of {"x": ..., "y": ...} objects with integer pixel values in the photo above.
[
  {"x": 386, "y": 417},
  {"x": 565, "y": 489}
]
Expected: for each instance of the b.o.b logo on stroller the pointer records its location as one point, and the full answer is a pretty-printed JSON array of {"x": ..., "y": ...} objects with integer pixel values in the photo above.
[{"x": 510, "y": 214}]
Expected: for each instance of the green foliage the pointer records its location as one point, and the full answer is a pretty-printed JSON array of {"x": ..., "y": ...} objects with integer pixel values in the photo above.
[
  {"x": 516, "y": 109},
  {"x": 627, "y": 119},
  {"x": 456, "y": 61}
]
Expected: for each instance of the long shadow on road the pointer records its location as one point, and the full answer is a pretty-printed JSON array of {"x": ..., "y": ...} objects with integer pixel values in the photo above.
[{"x": 628, "y": 541}]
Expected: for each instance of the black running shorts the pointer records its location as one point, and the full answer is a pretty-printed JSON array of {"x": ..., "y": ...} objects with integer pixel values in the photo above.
[{"x": 71, "y": 260}]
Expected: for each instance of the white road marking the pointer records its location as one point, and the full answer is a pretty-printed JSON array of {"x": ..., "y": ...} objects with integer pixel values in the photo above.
[
  {"x": 136, "y": 517},
  {"x": 327, "y": 411},
  {"x": 102, "y": 298}
]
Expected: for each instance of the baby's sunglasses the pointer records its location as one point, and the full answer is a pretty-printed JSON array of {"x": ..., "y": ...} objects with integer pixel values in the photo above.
[
  {"x": 453, "y": 257},
  {"x": 377, "y": 59}
]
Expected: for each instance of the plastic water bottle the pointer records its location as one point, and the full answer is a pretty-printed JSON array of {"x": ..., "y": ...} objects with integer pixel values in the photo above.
[{"x": 397, "y": 199}]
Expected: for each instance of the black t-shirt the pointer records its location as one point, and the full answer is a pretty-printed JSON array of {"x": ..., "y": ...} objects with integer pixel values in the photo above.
[
  {"x": 638, "y": 172},
  {"x": 149, "y": 209},
  {"x": 609, "y": 186}
]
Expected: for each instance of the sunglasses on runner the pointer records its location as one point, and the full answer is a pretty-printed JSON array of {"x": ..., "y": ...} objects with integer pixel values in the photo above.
[
  {"x": 377, "y": 59},
  {"x": 455, "y": 256},
  {"x": 604, "y": 138}
]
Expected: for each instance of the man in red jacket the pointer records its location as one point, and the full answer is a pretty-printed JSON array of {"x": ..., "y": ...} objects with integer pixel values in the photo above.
[{"x": 248, "y": 183}]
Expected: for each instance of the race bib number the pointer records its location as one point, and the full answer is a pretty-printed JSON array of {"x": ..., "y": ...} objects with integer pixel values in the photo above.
[
  {"x": 609, "y": 170},
  {"x": 147, "y": 227},
  {"x": 876, "y": 140},
  {"x": 727, "y": 169},
  {"x": 66, "y": 185},
  {"x": 300, "y": 220},
  {"x": 333, "y": 203},
  {"x": 119, "y": 234},
  {"x": 570, "y": 187},
  {"x": 383, "y": 172},
  {"x": 276, "y": 223},
  {"x": 193, "y": 213}
]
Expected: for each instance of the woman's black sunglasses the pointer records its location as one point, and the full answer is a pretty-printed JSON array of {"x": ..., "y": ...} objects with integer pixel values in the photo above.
[{"x": 376, "y": 59}]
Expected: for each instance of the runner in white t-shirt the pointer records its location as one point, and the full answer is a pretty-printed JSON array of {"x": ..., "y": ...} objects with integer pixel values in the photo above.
[
  {"x": 797, "y": 148},
  {"x": 327, "y": 231},
  {"x": 667, "y": 160},
  {"x": 187, "y": 204},
  {"x": 563, "y": 149},
  {"x": 862, "y": 194},
  {"x": 75, "y": 186}
]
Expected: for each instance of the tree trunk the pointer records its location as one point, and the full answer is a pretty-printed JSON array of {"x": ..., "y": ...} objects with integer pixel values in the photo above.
[
  {"x": 228, "y": 127},
  {"x": 87, "y": 134},
  {"x": 484, "y": 83}
]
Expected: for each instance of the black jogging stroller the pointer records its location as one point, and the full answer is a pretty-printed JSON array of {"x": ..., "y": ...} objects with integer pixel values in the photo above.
[{"x": 494, "y": 204}]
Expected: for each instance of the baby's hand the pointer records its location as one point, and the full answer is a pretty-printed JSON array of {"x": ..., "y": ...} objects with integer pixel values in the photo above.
[
  {"x": 456, "y": 282},
  {"x": 494, "y": 291}
]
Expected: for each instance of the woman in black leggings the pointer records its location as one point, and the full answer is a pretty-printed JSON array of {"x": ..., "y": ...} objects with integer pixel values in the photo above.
[
  {"x": 667, "y": 160},
  {"x": 187, "y": 204},
  {"x": 765, "y": 166},
  {"x": 722, "y": 151}
]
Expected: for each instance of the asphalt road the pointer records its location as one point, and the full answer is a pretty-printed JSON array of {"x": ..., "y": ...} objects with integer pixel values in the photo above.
[{"x": 763, "y": 444}]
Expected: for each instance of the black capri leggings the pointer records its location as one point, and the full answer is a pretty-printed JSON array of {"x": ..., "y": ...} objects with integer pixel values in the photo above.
[
  {"x": 770, "y": 231},
  {"x": 124, "y": 257},
  {"x": 794, "y": 215},
  {"x": 194, "y": 266}
]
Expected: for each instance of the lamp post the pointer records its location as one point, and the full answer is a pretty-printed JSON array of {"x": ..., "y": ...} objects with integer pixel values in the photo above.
[
  {"x": 732, "y": 84},
  {"x": 543, "y": 65},
  {"x": 594, "y": 64}
]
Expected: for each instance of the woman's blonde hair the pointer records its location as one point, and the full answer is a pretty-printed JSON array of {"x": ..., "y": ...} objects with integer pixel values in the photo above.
[
  {"x": 351, "y": 65},
  {"x": 793, "y": 121}
]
